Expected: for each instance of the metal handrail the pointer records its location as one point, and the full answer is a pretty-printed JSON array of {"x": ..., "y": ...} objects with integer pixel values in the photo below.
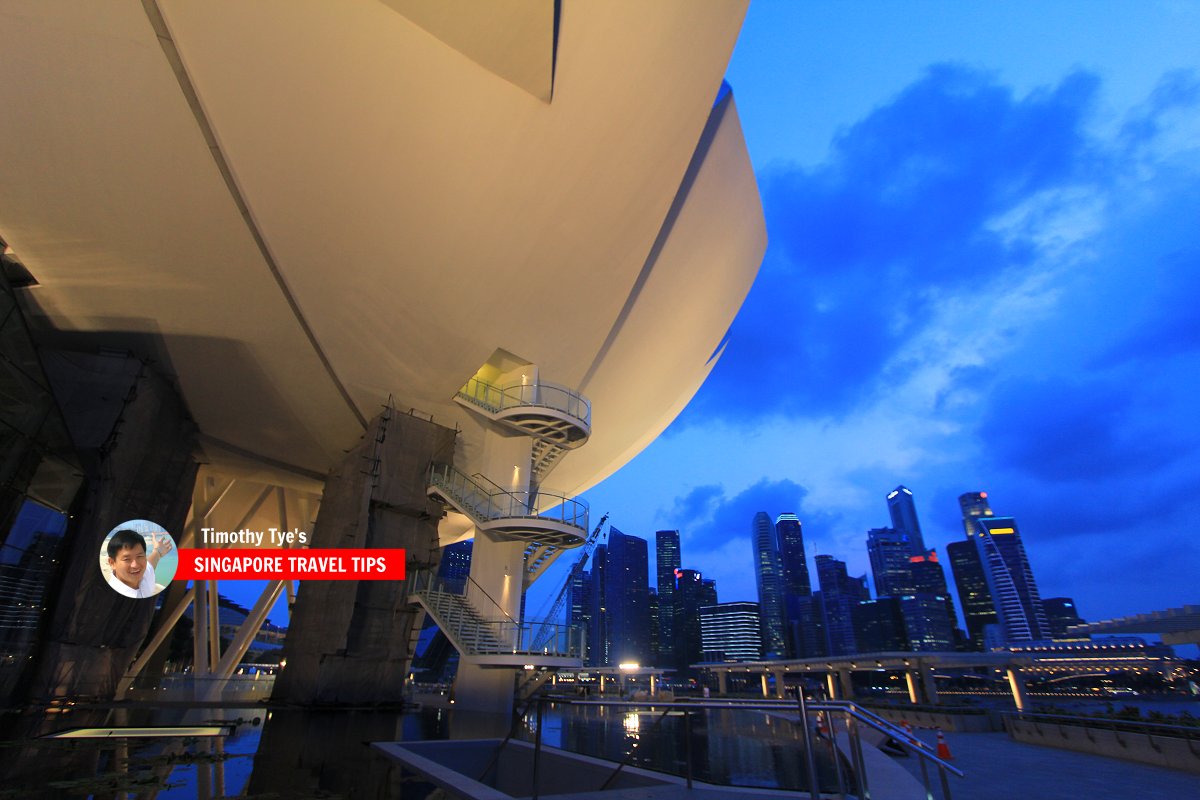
[
  {"x": 1112, "y": 723},
  {"x": 497, "y": 504},
  {"x": 528, "y": 395},
  {"x": 492, "y": 636}
]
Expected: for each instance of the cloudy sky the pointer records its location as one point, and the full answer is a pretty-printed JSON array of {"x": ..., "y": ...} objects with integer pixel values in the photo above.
[{"x": 983, "y": 273}]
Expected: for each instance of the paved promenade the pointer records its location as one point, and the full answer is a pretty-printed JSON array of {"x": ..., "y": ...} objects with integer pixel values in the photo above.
[{"x": 1000, "y": 769}]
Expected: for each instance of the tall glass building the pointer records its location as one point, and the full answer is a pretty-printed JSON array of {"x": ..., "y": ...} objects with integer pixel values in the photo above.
[
  {"x": 768, "y": 575},
  {"x": 889, "y": 551},
  {"x": 1019, "y": 610},
  {"x": 667, "y": 557},
  {"x": 904, "y": 518},
  {"x": 627, "y": 598},
  {"x": 973, "y": 505}
]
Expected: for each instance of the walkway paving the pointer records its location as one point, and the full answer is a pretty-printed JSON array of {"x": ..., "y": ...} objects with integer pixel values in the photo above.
[{"x": 1000, "y": 769}]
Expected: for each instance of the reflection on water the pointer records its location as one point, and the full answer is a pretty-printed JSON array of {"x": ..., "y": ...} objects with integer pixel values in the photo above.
[
  {"x": 292, "y": 753},
  {"x": 728, "y": 746}
]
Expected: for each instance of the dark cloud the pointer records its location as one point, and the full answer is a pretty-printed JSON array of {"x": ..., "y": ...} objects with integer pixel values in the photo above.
[
  {"x": 1068, "y": 430},
  {"x": 719, "y": 518},
  {"x": 1169, "y": 325},
  {"x": 899, "y": 209}
]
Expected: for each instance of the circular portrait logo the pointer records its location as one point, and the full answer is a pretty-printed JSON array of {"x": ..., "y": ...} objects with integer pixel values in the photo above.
[{"x": 138, "y": 558}]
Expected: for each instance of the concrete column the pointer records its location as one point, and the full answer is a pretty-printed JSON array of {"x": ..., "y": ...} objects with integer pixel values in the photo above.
[
  {"x": 348, "y": 641},
  {"x": 913, "y": 696},
  {"x": 722, "y": 682},
  {"x": 930, "y": 685},
  {"x": 831, "y": 686},
  {"x": 497, "y": 577},
  {"x": 136, "y": 441},
  {"x": 846, "y": 684},
  {"x": 1016, "y": 682},
  {"x": 779, "y": 683},
  {"x": 765, "y": 686},
  {"x": 653, "y": 684}
]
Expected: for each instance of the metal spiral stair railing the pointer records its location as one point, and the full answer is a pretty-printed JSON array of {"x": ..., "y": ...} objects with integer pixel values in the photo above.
[
  {"x": 513, "y": 515},
  {"x": 546, "y": 411}
]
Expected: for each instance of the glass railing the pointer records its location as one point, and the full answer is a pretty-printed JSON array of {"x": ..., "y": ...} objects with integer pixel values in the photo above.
[
  {"x": 486, "y": 501},
  {"x": 448, "y": 600},
  {"x": 526, "y": 395}
]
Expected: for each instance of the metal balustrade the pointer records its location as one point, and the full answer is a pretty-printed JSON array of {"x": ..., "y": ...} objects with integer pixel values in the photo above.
[
  {"x": 527, "y": 395},
  {"x": 476, "y": 636},
  {"x": 543, "y": 516}
]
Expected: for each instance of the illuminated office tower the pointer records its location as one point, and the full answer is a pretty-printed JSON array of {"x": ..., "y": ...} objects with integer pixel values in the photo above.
[
  {"x": 627, "y": 598},
  {"x": 789, "y": 533},
  {"x": 730, "y": 632},
  {"x": 768, "y": 575},
  {"x": 974, "y": 596},
  {"x": 1019, "y": 611},
  {"x": 666, "y": 561},
  {"x": 973, "y": 505},
  {"x": 889, "y": 551},
  {"x": 692, "y": 592},
  {"x": 904, "y": 518}
]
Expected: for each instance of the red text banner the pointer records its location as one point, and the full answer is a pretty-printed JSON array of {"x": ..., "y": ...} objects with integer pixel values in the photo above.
[{"x": 341, "y": 564}]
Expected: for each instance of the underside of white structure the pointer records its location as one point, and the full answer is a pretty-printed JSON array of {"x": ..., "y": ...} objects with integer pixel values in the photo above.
[{"x": 531, "y": 222}]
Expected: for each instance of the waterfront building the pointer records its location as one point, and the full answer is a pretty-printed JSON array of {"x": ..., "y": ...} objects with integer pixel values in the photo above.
[
  {"x": 1019, "y": 610},
  {"x": 1061, "y": 614},
  {"x": 973, "y": 505},
  {"x": 889, "y": 551},
  {"x": 626, "y": 599},
  {"x": 903, "y": 512},
  {"x": 730, "y": 632},
  {"x": 667, "y": 557},
  {"x": 768, "y": 576}
]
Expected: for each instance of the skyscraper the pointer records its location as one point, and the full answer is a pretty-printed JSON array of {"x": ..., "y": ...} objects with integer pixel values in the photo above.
[
  {"x": 790, "y": 536},
  {"x": 692, "y": 592},
  {"x": 973, "y": 505},
  {"x": 768, "y": 575},
  {"x": 904, "y": 518},
  {"x": 1061, "y": 614},
  {"x": 730, "y": 632},
  {"x": 1019, "y": 610},
  {"x": 889, "y": 551},
  {"x": 666, "y": 560},
  {"x": 840, "y": 594},
  {"x": 928, "y": 577},
  {"x": 973, "y": 593},
  {"x": 597, "y": 632},
  {"x": 627, "y": 598}
]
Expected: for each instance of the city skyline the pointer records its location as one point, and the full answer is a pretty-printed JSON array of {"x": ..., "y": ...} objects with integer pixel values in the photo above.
[{"x": 982, "y": 255}]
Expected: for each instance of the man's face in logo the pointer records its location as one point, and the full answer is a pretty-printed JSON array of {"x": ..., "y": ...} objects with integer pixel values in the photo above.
[{"x": 129, "y": 565}]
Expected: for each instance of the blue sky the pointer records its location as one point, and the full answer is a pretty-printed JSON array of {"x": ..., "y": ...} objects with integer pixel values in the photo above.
[{"x": 983, "y": 271}]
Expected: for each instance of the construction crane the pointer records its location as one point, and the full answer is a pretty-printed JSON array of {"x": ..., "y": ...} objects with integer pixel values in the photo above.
[{"x": 546, "y": 631}]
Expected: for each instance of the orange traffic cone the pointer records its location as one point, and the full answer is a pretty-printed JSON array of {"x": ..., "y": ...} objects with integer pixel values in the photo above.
[
  {"x": 822, "y": 728},
  {"x": 943, "y": 749},
  {"x": 908, "y": 729}
]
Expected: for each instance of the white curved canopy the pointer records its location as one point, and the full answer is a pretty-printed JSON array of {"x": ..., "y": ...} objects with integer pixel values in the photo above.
[{"x": 303, "y": 208}]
